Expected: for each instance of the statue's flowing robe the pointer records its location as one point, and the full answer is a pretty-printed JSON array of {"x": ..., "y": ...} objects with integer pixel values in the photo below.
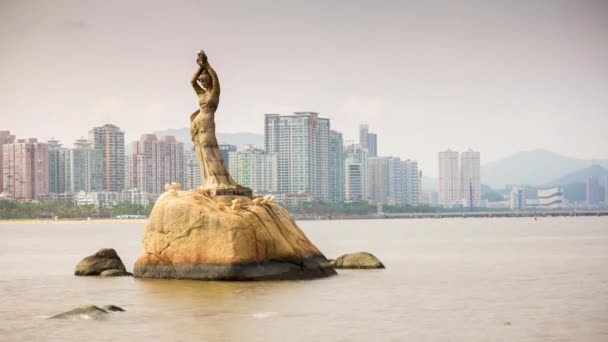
[{"x": 202, "y": 129}]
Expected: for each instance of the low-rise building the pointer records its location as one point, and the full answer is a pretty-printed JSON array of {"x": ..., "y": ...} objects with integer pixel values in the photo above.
[
  {"x": 135, "y": 196},
  {"x": 552, "y": 198},
  {"x": 100, "y": 199}
]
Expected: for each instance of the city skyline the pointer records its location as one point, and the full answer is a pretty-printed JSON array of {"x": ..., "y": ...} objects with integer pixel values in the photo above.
[
  {"x": 303, "y": 161},
  {"x": 419, "y": 77}
]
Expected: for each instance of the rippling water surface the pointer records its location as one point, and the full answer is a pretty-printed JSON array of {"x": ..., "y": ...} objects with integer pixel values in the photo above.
[{"x": 511, "y": 279}]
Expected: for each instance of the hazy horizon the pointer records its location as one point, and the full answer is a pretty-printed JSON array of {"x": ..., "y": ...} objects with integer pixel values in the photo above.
[{"x": 498, "y": 77}]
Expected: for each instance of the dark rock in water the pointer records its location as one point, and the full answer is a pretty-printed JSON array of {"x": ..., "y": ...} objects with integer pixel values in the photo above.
[
  {"x": 115, "y": 273},
  {"x": 104, "y": 259},
  {"x": 357, "y": 260},
  {"x": 113, "y": 308},
  {"x": 86, "y": 312}
]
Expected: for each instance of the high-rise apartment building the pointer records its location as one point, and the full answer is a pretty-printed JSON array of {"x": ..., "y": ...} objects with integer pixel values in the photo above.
[
  {"x": 336, "y": 167},
  {"x": 412, "y": 182},
  {"x": 378, "y": 178},
  {"x": 470, "y": 181},
  {"x": 254, "y": 168},
  {"x": 301, "y": 143},
  {"x": 592, "y": 191},
  {"x": 193, "y": 177},
  {"x": 171, "y": 159},
  {"x": 393, "y": 181},
  {"x": 155, "y": 162},
  {"x": 25, "y": 169},
  {"x": 225, "y": 151},
  {"x": 143, "y": 165},
  {"x": 372, "y": 144},
  {"x": 368, "y": 141},
  {"x": 449, "y": 191},
  {"x": 5, "y": 138},
  {"x": 86, "y": 168},
  {"x": 111, "y": 141},
  {"x": 353, "y": 179},
  {"x": 360, "y": 155},
  {"x": 518, "y": 198},
  {"x": 364, "y": 136},
  {"x": 397, "y": 181},
  {"x": 59, "y": 168}
]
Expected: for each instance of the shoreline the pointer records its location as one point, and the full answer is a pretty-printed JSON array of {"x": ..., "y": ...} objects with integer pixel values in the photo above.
[{"x": 72, "y": 221}]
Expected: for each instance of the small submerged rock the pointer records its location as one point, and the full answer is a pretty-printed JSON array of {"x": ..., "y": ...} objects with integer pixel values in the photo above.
[
  {"x": 361, "y": 260},
  {"x": 115, "y": 273},
  {"x": 113, "y": 308},
  {"x": 105, "y": 259},
  {"x": 88, "y": 312}
]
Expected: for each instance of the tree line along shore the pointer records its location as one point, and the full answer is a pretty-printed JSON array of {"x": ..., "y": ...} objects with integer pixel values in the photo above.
[
  {"x": 49, "y": 210},
  {"x": 46, "y": 211}
]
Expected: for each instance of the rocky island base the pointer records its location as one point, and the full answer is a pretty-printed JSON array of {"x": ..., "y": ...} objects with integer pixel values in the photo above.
[{"x": 190, "y": 235}]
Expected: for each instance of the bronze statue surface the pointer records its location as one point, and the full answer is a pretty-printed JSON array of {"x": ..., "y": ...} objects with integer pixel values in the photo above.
[{"x": 216, "y": 178}]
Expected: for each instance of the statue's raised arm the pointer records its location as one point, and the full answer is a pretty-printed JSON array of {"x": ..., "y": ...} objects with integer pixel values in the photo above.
[
  {"x": 197, "y": 87},
  {"x": 205, "y": 80},
  {"x": 215, "y": 82}
]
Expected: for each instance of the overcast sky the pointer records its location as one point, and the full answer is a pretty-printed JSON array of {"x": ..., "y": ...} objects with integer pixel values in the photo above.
[{"x": 496, "y": 76}]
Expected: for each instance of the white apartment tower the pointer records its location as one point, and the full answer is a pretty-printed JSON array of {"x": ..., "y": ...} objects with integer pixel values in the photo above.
[
  {"x": 393, "y": 181},
  {"x": 193, "y": 178},
  {"x": 368, "y": 141},
  {"x": 378, "y": 178},
  {"x": 449, "y": 191},
  {"x": 412, "y": 182},
  {"x": 336, "y": 167},
  {"x": 470, "y": 182},
  {"x": 360, "y": 155},
  {"x": 353, "y": 179},
  {"x": 364, "y": 136},
  {"x": 459, "y": 180},
  {"x": 301, "y": 143},
  {"x": 518, "y": 198}
]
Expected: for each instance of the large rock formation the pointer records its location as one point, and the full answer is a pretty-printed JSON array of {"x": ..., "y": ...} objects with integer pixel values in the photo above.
[{"x": 190, "y": 235}]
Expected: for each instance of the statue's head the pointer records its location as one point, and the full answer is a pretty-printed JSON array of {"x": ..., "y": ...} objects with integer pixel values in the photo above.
[{"x": 205, "y": 79}]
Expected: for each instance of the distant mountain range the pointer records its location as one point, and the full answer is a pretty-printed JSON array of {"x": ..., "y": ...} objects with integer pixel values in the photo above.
[
  {"x": 238, "y": 139},
  {"x": 580, "y": 176},
  {"x": 536, "y": 167}
]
